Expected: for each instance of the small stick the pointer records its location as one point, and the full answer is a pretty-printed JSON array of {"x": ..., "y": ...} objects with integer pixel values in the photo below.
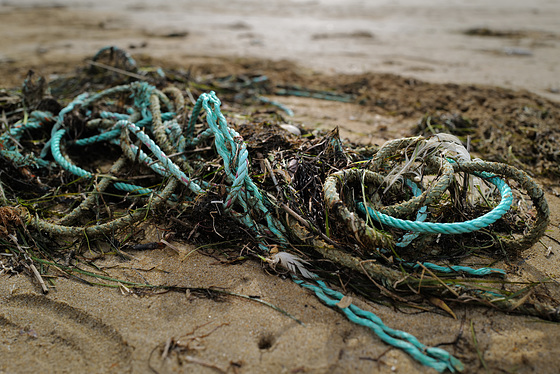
[
  {"x": 269, "y": 168},
  {"x": 198, "y": 361},
  {"x": 166, "y": 348},
  {"x": 438, "y": 279},
  {"x": 3, "y": 199},
  {"x": 166, "y": 243},
  {"x": 305, "y": 223},
  {"x": 190, "y": 95},
  {"x": 39, "y": 278},
  {"x": 116, "y": 70},
  {"x": 30, "y": 264},
  {"x": 381, "y": 288}
]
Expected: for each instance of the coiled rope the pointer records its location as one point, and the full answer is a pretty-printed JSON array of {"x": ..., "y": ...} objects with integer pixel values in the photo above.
[{"x": 159, "y": 131}]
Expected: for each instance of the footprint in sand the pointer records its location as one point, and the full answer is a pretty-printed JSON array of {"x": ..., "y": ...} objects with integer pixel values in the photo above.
[{"x": 48, "y": 335}]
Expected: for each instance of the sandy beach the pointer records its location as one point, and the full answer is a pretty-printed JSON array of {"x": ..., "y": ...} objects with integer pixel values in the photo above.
[{"x": 506, "y": 52}]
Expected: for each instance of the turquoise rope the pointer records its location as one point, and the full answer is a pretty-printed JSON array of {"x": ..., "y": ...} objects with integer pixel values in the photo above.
[
  {"x": 20, "y": 160},
  {"x": 76, "y": 170},
  {"x": 189, "y": 131},
  {"x": 61, "y": 160},
  {"x": 456, "y": 268},
  {"x": 132, "y": 188},
  {"x": 449, "y": 228},
  {"x": 231, "y": 148},
  {"x": 235, "y": 152},
  {"x": 169, "y": 165},
  {"x": 79, "y": 100},
  {"x": 243, "y": 195},
  {"x": 420, "y": 216},
  {"x": 409, "y": 237},
  {"x": 105, "y": 136},
  {"x": 436, "y": 358},
  {"x": 140, "y": 92},
  {"x": 114, "y": 116},
  {"x": 10, "y": 138},
  {"x": 287, "y": 110},
  {"x": 137, "y": 154}
]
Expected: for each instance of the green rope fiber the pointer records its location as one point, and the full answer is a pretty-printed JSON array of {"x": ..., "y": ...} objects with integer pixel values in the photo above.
[{"x": 154, "y": 131}]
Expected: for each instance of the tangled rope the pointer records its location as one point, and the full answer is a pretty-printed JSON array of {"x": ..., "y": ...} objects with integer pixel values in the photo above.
[{"x": 150, "y": 133}]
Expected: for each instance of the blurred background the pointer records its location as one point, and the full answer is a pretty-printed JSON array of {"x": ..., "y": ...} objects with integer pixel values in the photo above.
[{"x": 509, "y": 43}]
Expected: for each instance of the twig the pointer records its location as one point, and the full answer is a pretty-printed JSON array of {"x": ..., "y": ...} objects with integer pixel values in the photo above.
[
  {"x": 274, "y": 180},
  {"x": 116, "y": 70},
  {"x": 166, "y": 348},
  {"x": 306, "y": 223},
  {"x": 550, "y": 237},
  {"x": 259, "y": 301},
  {"x": 3, "y": 199},
  {"x": 176, "y": 220},
  {"x": 381, "y": 288},
  {"x": 39, "y": 278},
  {"x": 190, "y": 95},
  {"x": 165, "y": 242},
  {"x": 29, "y": 264},
  {"x": 478, "y": 351},
  {"x": 438, "y": 279},
  {"x": 198, "y": 361}
]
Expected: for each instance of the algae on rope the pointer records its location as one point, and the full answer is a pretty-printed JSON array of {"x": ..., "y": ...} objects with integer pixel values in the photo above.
[{"x": 252, "y": 179}]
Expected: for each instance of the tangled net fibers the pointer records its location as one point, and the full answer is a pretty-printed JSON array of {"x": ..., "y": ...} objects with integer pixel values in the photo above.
[{"x": 101, "y": 163}]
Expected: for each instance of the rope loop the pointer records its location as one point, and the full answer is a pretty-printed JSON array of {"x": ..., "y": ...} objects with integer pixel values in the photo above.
[{"x": 415, "y": 176}]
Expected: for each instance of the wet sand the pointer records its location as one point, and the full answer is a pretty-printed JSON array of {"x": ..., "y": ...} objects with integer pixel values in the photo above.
[{"x": 508, "y": 44}]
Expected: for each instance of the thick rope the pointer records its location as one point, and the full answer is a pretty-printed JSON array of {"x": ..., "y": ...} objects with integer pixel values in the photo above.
[
  {"x": 448, "y": 228},
  {"x": 431, "y": 195},
  {"x": 161, "y": 134}
]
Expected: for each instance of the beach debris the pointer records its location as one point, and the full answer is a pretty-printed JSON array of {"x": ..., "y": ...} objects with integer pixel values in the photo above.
[{"x": 101, "y": 162}]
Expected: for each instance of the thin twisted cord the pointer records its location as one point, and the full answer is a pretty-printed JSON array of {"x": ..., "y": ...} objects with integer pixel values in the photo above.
[{"x": 435, "y": 358}]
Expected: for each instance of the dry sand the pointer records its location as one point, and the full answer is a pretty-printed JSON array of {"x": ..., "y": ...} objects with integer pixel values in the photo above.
[{"x": 80, "y": 328}]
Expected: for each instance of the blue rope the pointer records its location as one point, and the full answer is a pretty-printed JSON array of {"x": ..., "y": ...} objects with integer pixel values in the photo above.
[
  {"x": 79, "y": 100},
  {"x": 449, "y": 228},
  {"x": 409, "y": 237},
  {"x": 189, "y": 131},
  {"x": 435, "y": 358},
  {"x": 105, "y": 136},
  {"x": 169, "y": 165},
  {"x": 138, "y": 154},
  {"x": 244, "y": 200},
  {"x": 140, "y": 92},
  {"x": 287, "y": 110},
  {"x": 132, "y": 188},
  {"x": 9, "y": 140},
  {"x": 230, "y": 148},
  {"x": 61, "y": 160},
  {"x": 233, "y": 151},
  {"x": 114, "y": 116},
  {"x": 456, "y": 268},
  {"x": 20, "y": 160}
]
